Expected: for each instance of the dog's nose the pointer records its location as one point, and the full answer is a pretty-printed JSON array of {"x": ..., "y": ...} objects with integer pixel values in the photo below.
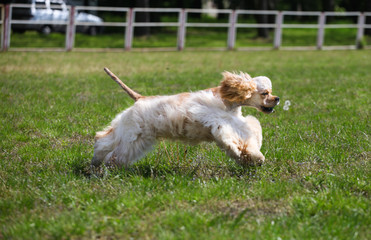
[{"x": 277, "y": 99}]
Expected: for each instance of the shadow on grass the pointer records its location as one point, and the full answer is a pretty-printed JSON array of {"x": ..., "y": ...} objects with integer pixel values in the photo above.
[{"x": 205, "y": 169}]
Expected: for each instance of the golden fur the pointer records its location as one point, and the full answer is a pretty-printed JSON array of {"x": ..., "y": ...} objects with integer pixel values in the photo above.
[
  {"x": 209, "y": 115},
  {"x": 236, "y": 88}
]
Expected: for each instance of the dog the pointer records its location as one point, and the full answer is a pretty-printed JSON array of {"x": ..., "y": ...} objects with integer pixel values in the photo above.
[{"x": 211, "y": 115}]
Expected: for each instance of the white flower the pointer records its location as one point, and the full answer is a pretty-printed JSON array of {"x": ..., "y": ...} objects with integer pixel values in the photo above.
[{"x": 287, "y": 104}]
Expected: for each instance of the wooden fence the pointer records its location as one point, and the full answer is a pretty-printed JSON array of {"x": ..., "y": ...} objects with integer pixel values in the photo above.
[{"x": 232, "y": 25}]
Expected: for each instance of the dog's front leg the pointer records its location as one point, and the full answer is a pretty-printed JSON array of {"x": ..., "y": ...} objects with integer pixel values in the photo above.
[
  {"x": 242, "y": 147},
  {"x": 250, "y": 157}
]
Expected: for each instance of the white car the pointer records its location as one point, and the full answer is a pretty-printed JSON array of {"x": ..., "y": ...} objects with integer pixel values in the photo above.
[{"x": 42, "y": 10}]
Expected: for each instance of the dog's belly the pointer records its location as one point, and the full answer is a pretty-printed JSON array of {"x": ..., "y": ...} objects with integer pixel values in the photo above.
[{"x": 191, "y": 132}]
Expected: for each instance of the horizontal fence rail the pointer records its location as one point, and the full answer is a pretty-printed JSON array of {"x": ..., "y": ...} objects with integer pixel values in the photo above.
[{"x": 231, "y": 26}]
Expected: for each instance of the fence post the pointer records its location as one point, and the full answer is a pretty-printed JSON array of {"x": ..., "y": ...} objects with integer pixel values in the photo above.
[
  {"x": 2, "y": 28},
  {"x": 71, "y": 29},
  {"x": 321, "y": 30},
  {"x": 5, "y": 36},
  {"x": 181, "y": 29},
  {"x": 278, "y": 31},
  {"x": 360, "y": 31},
  {"x": 232, "y": 30},
  {"x": 129, "y": 29}
]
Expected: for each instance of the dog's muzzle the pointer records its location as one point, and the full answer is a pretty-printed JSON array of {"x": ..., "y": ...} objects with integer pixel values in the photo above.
[
  {"x": 267, "y": 109},
  {"x": 270, "y": 109}
]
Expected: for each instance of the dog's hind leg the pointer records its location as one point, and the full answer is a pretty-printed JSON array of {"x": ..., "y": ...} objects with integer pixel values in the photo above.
[
  {"x": 122, "y": 151},
  {"x": 128, "y": 152},
  {"x": 104, "y": 144}
]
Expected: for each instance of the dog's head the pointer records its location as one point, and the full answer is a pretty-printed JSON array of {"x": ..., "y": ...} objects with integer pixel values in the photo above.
[{"x": 243, "y": 90}]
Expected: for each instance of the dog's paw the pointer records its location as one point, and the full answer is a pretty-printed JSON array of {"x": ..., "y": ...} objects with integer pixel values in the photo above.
[{"x": 251, "y": 159}]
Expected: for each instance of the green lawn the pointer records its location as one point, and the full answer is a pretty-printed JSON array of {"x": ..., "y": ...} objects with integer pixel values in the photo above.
[
  {"x": 196, "y": 37},
  {"x": 315, "y": 183}
]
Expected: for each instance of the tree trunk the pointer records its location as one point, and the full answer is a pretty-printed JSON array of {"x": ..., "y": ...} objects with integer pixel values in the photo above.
[
  {"x": 142, "y": 17},
  {"x": 262, "y": 18},
  {"x": 328, "y": 6},
  {"x": 220, "y": 5},
  {"x": 368, "y": 19}
]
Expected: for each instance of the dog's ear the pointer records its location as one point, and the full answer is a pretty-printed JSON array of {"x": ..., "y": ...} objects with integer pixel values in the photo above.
[{"x": 236, "y": 87}]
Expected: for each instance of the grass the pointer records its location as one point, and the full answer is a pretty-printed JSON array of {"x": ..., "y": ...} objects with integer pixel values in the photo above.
[
  {"x": 195, "y": 37},
  {"x": 315, "y": 183}
]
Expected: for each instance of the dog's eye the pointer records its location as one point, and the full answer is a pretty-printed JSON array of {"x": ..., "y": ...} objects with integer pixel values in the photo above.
[{"x": 264, "y": 94}]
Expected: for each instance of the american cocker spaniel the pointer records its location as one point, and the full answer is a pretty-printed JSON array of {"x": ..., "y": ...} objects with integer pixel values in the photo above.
[{"x": 208, "y": 115}]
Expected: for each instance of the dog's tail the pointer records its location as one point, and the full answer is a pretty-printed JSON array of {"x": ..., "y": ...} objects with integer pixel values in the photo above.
[{"x": 134, "y": 95}]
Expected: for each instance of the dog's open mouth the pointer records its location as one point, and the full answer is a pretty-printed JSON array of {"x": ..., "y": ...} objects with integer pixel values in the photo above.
[{"x": 266, "y": 109}]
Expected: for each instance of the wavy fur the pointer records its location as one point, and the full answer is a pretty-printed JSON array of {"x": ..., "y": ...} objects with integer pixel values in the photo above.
[{"x": 208, "y": 115}]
